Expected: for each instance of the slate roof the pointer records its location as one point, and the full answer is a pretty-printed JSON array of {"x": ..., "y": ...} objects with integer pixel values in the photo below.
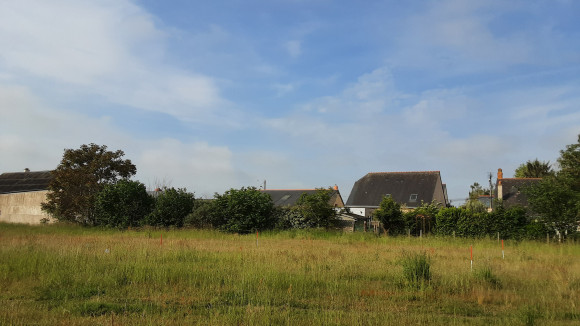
[
  {"x": 24, "y": 181},
  {"x": 511, "y": 191},
  {"x": 369, "y": 190},
  {"x": 288, "y": 197}
]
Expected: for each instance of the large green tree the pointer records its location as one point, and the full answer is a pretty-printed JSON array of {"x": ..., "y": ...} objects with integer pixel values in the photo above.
[
  {"x": 534, "y": 169},
  {"x": 80, "y": 176}
]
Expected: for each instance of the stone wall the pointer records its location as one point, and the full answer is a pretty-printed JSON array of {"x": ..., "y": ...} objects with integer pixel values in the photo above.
[{"x": 23, "y": 207}]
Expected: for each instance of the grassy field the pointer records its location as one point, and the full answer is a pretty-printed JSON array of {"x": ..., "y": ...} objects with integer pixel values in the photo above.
[{"x": 65, "y": 275}]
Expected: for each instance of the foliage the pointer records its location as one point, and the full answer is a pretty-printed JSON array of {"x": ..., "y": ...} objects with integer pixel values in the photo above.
[
  {"x": 201, "y": 215},
  {"x": 171, "y": 207},
  {"x": 80, "y": 176},
  {"x": 556, "y": 199},
  {"x": 423, "y": 218},
  {"x": 124, "y": 204},
  {"x": 511, "y": 223},
  {"x": 555, "y": 204},
  {"x": 534, "y": 169},
  {"x": 315, "y": 209},
  {"x": 243, "y": 210},
  {"x": 416, "y": 269},
  {"x": 390, "y": 215}
]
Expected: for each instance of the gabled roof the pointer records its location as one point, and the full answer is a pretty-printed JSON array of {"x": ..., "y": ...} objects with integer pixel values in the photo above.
[
  {"x": 511, "y": 191},
  {"x": 369, "y": 190},
  {"x": 24, "y": 181},
  {"x": 289, "y": 197}
]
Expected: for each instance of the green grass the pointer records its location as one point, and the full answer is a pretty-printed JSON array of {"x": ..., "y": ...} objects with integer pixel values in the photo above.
[{"x": 69, "y": 275}]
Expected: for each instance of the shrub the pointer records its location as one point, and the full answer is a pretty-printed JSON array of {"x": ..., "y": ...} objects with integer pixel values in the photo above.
[
  {"x": 201, "y": 216},
  {"x": 122, "y": 205},
  {"x": 390, "y": 215},
  {"x": 243, "y": 210},
  {"x": 171, "y": 207}
]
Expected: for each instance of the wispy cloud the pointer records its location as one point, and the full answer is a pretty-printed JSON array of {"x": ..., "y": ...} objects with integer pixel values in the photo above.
[{"x": 111, "y": 49}]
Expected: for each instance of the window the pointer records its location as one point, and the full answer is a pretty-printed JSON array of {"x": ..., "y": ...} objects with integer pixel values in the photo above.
[{"x": 413, "y": 197}]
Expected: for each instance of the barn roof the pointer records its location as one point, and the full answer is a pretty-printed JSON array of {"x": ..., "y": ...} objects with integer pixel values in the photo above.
[
  {"x": 409, "y": 188},
  {"x": 24, "y": 181}
]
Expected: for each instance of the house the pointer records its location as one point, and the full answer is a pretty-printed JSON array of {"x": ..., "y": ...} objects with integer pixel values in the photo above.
[
  {"x": 508, "y": 190},
  {"x": 406, "y": 188},
  {"x": 289, "y": 197},
  {"x": 21, "y": 196}
]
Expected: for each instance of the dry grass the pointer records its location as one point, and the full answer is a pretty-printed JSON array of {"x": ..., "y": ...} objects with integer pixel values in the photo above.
[{"x": 51, "y": 275}]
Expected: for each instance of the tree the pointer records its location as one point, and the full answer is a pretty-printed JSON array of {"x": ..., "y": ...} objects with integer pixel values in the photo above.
[
  {"x": 171, "y": 208},
  {"x": 80, "y": 176},
  {"x": 534, "y": 169},
  {"x": 569, "y": 162},
  {"x": 316, "y": 209},
  {"x": 422, "y": 219},
  {"x": 124, "y": 204},
  {"x": 556, "y": 199},
  {"x": 390, "y": 215},
  {"x": 243, "y": 210}
]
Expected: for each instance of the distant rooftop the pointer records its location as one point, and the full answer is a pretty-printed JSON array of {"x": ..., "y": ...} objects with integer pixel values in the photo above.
[{"x": 13, "y": 182}]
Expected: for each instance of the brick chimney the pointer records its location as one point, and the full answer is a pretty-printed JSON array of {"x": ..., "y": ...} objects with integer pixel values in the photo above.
[
  {"x": 499, "y": 186},
  {"x": 335, "y": 187}
]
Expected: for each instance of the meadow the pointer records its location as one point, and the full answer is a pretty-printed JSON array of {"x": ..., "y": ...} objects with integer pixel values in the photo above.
[{"x": 69, "y": 275}]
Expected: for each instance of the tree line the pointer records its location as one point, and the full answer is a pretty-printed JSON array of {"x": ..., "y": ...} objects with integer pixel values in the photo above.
[
  {"x": 92, "y": 186},
  {"x": 553, "y": 207}
]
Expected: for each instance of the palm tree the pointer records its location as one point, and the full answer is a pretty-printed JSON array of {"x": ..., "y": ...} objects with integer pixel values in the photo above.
[{"x": 534, "y": 169}]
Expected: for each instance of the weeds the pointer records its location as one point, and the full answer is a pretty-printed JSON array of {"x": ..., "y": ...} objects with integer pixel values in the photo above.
[{"x": 416, "y": 269}]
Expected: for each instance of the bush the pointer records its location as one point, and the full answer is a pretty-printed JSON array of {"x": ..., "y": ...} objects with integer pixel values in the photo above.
[
  {"x": 122, "y": 205},
  {"x": 201, "y": 215},
  {"x": 243, "y": 211},
  {"x": 171, "y": 207},
  {"x": 390, "y": 215}
]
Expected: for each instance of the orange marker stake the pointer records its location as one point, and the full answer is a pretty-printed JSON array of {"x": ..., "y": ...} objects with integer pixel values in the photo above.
[
  {"x": 502, "y": 252},
  {"x": 256, "y": 239},
  {"x": 471, "y": 251},
  {"x": 161, "y": 241}
]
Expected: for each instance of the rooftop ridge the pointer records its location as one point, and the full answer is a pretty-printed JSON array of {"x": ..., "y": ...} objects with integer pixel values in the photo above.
[
  {"x": 521, "y": 178},
  {"x": 287, "y": 189},
  {"x": 404, "y": 172}
]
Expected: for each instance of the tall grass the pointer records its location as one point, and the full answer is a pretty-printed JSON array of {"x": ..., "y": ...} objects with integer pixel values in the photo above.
[{"x": 71, "y": 275}]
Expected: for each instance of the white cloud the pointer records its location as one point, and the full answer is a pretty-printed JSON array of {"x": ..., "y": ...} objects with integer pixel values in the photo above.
[
  {"x": 35, "y": 136},
  {"x": 112, "y": 49}
]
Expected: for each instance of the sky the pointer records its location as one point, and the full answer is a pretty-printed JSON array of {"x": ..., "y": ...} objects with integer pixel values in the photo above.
[{"x": 213, "y": 95}]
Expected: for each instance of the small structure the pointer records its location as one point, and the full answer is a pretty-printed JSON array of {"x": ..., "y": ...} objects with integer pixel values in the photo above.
[
  {"x": 509, "y": 190},
  {"x": 406, "y": 188},
  {"x": 21, "y": 196}
]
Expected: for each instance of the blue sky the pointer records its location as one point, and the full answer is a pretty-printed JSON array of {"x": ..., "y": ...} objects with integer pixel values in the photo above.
[{"x": 222, "y": 94}]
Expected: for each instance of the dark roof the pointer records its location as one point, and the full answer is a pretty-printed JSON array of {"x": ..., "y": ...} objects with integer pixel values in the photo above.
[
  {"x": 24, "y": 181},
  {"x": 369, "y": 190},
  {"x": 512, "y": 194},
  {"x": 289, "y": 197}
]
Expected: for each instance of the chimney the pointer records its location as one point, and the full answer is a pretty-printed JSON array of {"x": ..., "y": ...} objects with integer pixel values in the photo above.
[
  {"x": 499, "y": 186},
  {"x": 335, "y": 187},
  {"x": 26, "y": 170}
]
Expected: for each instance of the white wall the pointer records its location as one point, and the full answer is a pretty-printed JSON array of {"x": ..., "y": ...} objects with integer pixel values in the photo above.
[{"x": 22, "y": 207}]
